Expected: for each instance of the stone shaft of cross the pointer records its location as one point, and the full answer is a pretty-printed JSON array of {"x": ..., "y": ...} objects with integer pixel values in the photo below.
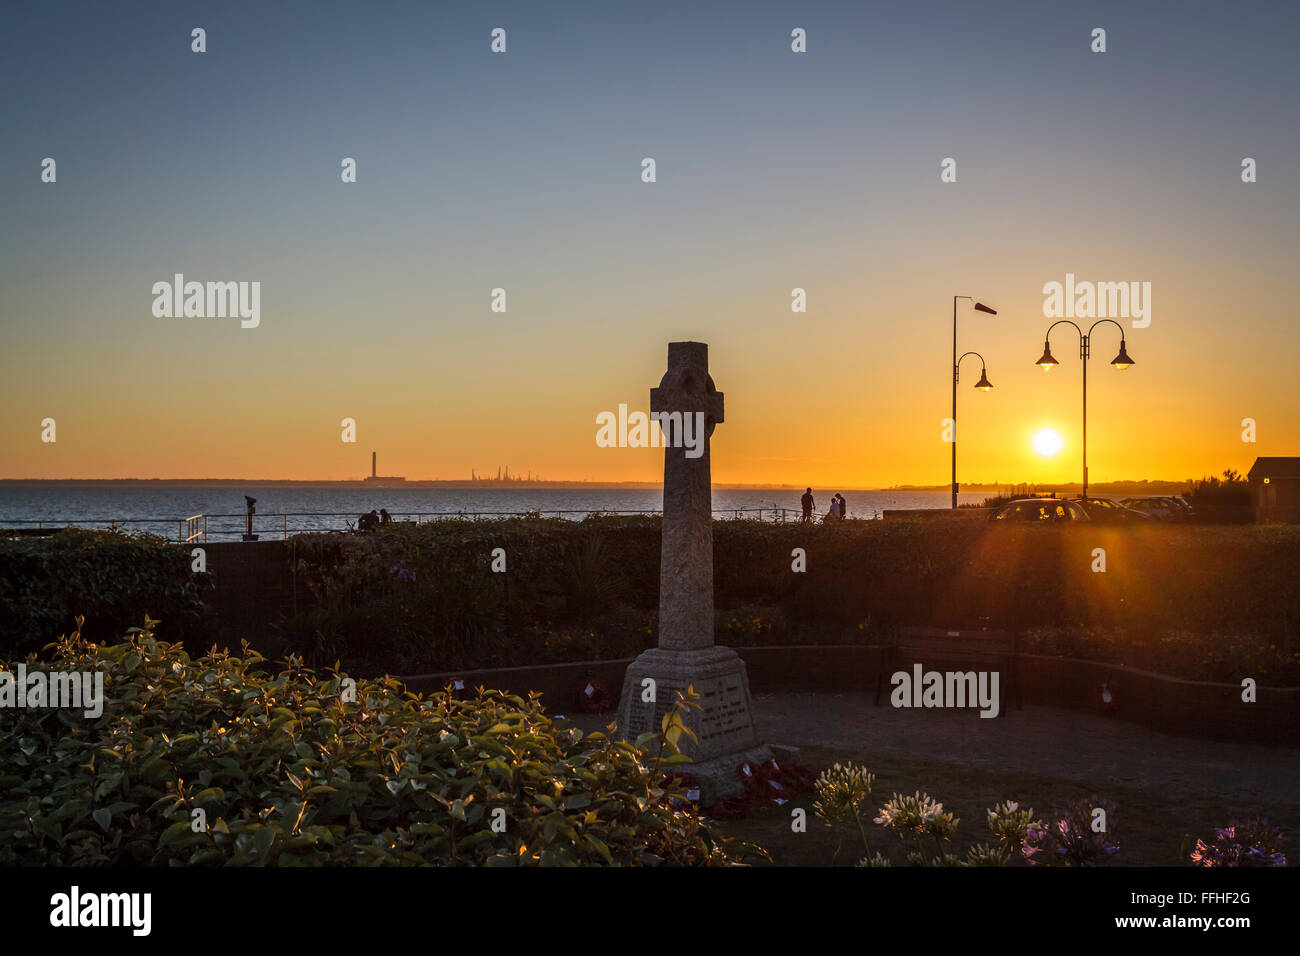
[{"x": 686, "y": 554}]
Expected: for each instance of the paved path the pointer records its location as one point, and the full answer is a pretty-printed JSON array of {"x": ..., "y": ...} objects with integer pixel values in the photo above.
[{"x": 1066, "y": 744}]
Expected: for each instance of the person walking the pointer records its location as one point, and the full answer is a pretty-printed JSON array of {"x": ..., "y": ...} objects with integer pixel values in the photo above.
[{"x": 808, "y": 504}]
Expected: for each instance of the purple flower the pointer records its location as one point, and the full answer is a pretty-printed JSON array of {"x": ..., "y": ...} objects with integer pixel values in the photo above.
[
  {"x": 401, "y": 573},
  {"x": 1069, "y": 839},
  {"x": 1253, "y": 843}
]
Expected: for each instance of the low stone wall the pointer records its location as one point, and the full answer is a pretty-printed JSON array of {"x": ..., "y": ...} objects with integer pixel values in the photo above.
[
  {"x": 559, "y": 684},
  {"x": 1167, "y": 704}
]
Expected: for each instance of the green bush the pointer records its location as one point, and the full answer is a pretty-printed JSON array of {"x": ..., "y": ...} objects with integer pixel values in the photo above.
[
  {"x": 1189, "y": 600},
  {"x": 1226, "y": 500},
  {"x": 298, "y": 769},
  {"x": 112, "y": 578},
  {"x": 414, "y": 598}
]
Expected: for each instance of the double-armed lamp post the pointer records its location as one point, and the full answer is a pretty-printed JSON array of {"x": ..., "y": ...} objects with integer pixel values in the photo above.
[
  {"x": 1120, "y": 361},
  {"x": 983, "y": 384}
]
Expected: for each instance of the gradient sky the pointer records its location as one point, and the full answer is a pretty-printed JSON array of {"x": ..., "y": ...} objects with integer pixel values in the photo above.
[{"x": 522, "y": 171}]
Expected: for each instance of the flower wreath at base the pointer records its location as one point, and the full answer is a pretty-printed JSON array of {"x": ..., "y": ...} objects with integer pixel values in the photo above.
[
  {"x": 765, "y": 784},
  {"x": 594, "y": 698}
]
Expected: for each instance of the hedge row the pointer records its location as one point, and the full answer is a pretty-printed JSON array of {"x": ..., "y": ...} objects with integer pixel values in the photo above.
[
  {"x": 111, "y": 578},
  {"x": 424, "y": 597},
  {"x": 1190, "y": 600}
]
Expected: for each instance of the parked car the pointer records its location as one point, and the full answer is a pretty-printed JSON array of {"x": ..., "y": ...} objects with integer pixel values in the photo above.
[
  {"x": 1041, "y": 509},
  {"x": 1160, "y": 508},
  {"x": 1110, "y": 512}
]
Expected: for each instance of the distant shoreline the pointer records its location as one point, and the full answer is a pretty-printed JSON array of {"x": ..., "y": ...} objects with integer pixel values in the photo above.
[{"x": 1147, "y": 487}]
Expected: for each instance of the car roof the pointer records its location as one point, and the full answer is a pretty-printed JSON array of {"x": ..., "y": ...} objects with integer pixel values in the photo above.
[{"x": 1031, "y": 502}]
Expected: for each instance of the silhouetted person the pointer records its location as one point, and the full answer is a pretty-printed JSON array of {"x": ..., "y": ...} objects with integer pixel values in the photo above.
[
  {"x": 385, "y": 517},
  {"x": 808, "y": 504},
  {"x": 842, "y": 505},
  {"x": 368, "y": 522}
]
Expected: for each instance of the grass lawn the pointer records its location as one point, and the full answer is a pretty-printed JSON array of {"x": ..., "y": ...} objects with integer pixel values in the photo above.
[{"x": 1149, "y": 824}]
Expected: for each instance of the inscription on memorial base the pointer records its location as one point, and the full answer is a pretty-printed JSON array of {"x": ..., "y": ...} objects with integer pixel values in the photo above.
[{"x": 724, "y": 726}]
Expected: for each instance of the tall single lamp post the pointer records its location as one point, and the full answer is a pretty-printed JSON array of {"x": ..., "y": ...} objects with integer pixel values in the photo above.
[
  {"x": 1120, "y": 361},
  {"x": 983, "y": 384}
]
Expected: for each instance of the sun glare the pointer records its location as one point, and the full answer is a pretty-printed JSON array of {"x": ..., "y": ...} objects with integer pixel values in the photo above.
[{"x": 1048, "y": 442}]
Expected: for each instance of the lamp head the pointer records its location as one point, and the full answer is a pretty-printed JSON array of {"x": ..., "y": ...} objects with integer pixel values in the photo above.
[
  {"x": 981, "y": 307},
  {"x": 1047, "y": 362},
  {"x": 1121, "y": 361},
  {"x": 983, "y": 384}
]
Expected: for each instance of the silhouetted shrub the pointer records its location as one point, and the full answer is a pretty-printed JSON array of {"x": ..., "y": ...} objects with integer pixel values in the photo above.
[
  {"x": 1225, "y": 500},
  {"x": 112, "y": 578},
  {"x": 1189, "y": 600}
]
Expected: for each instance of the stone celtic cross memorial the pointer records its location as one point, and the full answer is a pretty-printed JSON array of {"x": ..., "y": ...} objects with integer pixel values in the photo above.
[{"x": 686, "y": 655}]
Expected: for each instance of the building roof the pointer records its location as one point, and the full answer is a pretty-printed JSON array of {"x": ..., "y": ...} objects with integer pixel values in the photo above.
[{"x": 1275, "y": 468}]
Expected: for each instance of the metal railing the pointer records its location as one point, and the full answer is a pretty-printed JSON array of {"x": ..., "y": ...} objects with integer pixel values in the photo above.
[
  {"x": 205, "y": 527},
  {"x": 190, "y": 528}
]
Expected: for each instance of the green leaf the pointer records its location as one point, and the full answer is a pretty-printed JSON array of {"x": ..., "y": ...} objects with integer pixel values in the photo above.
[
  {"x": 474, "y": 839},
  {"x": 174, "y": 833},
  {"x": 600, "y": 847}
]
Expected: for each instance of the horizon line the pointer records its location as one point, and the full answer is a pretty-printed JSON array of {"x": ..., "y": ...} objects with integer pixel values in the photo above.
[{"x": 577, "y": 483}]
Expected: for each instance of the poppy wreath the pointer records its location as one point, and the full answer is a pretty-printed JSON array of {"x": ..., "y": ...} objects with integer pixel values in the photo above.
[
  {"x": 594, "y": 698},
  {"x": 764, "y": 783}
]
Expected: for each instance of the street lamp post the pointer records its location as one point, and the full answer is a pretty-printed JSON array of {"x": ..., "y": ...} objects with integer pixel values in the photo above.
[
  {"x": 1120, "y": 361},
  {"x": 983, "y": 385}
]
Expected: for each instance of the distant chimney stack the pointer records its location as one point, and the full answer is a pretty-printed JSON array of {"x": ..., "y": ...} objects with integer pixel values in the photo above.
[{"x": 374, "y": 461}]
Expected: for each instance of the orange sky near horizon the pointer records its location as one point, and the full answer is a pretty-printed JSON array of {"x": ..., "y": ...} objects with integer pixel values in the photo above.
[{"x": 845, "y": 409}]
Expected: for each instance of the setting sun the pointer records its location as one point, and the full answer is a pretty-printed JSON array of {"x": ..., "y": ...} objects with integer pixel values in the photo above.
[{"x": 1048, "y": 442}]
